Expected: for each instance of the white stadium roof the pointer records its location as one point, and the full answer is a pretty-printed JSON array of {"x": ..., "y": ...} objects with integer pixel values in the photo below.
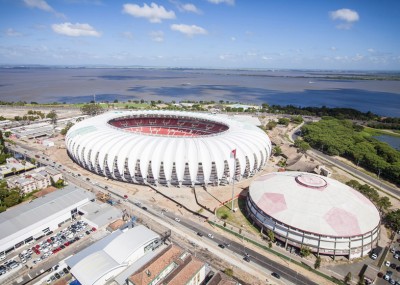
[
  {"x": 173, "y": 154},
  {"x": 108, "y": 254},
  {"x": 314, "y": 204}
]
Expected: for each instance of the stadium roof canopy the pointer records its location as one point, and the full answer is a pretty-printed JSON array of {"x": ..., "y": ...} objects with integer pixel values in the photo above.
[
  {"x": 314, "y": 204},
  {"x": 168, "y": 145}
]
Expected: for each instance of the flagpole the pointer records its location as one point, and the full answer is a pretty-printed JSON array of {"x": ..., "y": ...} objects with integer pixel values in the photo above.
[{"x": 234, "y": 174}]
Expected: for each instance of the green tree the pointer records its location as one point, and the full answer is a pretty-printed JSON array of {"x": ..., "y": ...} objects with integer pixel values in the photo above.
[
  {"x": 317, "y": 263},
  {"x": 14, "y": 170},
  {"x": 347, "y": 278},
  {"x": 65, "y": 130},
  {"x": 271, "y": 235},
  {"x": 277, "y": 150},
  {"x": 392, "y": 219},
  {"x": 384, "y": 203},
  {"x": 283, "y": 121},
  {"x": 228, "y": 271},
  {"x": 302, "y": 145},
  {"x": 12, "y": 199},
  {"x": 53, "y": 116},
  {"x": 297, "y": 119},
  {"x": 91, "y": 109},
  {"x": 305, "y": 251},
  {"x": 271, "y": 125}
]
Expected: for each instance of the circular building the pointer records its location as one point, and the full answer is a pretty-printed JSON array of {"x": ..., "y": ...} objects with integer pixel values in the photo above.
[
  {"x": 168, "y": 147},
  {"x": 304, "y": 209}
]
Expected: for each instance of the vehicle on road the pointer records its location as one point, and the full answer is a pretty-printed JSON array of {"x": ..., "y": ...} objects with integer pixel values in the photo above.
[
  {"x": 276, "y": 275},
  {"x": 221, "y": 246},
  {"x": 177, "y": 220},
  {"x": 210, "y": 236},
  {"x": 199, "y": 234},
  {"x": 246, "y": 258}
]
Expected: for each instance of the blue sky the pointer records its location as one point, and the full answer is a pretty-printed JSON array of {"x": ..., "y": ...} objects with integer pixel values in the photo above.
[{"x": 359, "y": 34}]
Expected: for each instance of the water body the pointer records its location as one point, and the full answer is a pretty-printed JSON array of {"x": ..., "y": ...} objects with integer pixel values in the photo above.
[
  {"x": 299, "y": 88},
  {"x": 390, "y": 140}
]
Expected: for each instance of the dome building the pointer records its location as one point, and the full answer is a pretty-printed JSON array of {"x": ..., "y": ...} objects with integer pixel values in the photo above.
[
  {"x": 168, "y": 147},
  {"x": 304, "y": 209}
]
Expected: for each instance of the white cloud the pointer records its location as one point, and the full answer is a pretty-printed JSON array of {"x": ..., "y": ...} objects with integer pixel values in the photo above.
[
  {"x": 75, "y": 30},
  {"x": 371, "y": 50},
  {"x": 357, "y": 57},
  {"x": 189, "y": 7},
  {"x": 157, "y": 36},
  {"x": 40, "y": 4},
  {"x": 154, "y": 13},
  {"x": 188, "y": 30},
  {"x": 10, "y": 32},
  {"x": 347, "y": 16},
  {"x": 229, "y": 2},
  {"x": 333, "y": 48},
  {"x": 233, "y": 39}
]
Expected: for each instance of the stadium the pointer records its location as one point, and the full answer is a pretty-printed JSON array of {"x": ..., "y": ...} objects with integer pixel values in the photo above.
[
  {"x": 168, "y": 147},
  {"x": 304, "y": 209}
]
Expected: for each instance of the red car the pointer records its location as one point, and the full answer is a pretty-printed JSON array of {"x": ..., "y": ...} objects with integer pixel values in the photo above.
[
  {"x": 67, "y": 243},
  {"x": 93, "y": 229}
]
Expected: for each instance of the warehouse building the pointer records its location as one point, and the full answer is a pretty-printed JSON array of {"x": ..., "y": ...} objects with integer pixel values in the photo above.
[
  {"x": 107, "y": 258},
  {"x": 25, "y": 223}
]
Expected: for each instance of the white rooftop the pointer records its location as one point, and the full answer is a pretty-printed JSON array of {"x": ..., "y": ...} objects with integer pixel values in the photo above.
[
  {"x": 314, "y": 204},
  {"x": 23, "y": 218},
  {"x": 109, "y": 253}
]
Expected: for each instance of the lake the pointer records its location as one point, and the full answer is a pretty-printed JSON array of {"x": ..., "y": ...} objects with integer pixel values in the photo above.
[
  {"x": 282, "y": 87},
  {"x": 390, "y": 140}
]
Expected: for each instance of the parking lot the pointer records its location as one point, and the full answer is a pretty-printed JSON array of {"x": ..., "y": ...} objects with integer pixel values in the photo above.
[
  {"x": 390, "y": 269},
  {"x": 44, "y": 250}
]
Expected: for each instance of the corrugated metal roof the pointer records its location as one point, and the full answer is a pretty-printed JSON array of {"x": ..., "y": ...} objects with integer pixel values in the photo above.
[{"x": 21, "y": 218}]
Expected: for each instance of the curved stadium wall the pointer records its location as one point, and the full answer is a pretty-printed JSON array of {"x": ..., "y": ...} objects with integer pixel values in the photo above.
[
  {"x": 168, "y": 147},
  {"x": 304, "y": 209}
]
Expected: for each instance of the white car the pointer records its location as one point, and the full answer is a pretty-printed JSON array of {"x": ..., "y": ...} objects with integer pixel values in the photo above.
[
  {"x": 177, "y": 219},
  {"x": 387, "y": 263},
  {"x": 210, "y": 236}
]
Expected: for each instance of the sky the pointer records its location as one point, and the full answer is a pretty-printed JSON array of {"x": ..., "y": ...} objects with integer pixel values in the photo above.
[{"x": 268, "y": 34}]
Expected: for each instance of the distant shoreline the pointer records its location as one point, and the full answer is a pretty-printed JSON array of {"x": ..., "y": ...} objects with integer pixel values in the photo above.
[{"x": 378, "y": 92}]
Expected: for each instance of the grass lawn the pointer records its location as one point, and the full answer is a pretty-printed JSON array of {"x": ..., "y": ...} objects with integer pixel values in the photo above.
[{"x": 237, "y": 218}]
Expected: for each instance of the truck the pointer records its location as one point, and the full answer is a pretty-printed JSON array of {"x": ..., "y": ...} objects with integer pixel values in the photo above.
[{"x": 376, "y": 252}]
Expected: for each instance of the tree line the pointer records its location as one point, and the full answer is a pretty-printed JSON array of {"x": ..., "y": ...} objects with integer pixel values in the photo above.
[{"x": 346, "y": 139}]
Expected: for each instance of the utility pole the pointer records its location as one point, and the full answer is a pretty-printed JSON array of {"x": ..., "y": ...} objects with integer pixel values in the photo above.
[{"x": 233, "y": 176}]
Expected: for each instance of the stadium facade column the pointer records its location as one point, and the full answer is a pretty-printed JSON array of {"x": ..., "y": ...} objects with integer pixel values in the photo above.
[
  {"x": 334, "y": 250},
  {"x": 319, "y": 244}
]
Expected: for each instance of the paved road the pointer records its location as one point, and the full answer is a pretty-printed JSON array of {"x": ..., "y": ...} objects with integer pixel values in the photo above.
[
  {"x": 242, "y": 250},
  {"x": 356, "y": 172},
  {"x": 237, "y": 248},
  {"x": 367, "y": 178}
]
